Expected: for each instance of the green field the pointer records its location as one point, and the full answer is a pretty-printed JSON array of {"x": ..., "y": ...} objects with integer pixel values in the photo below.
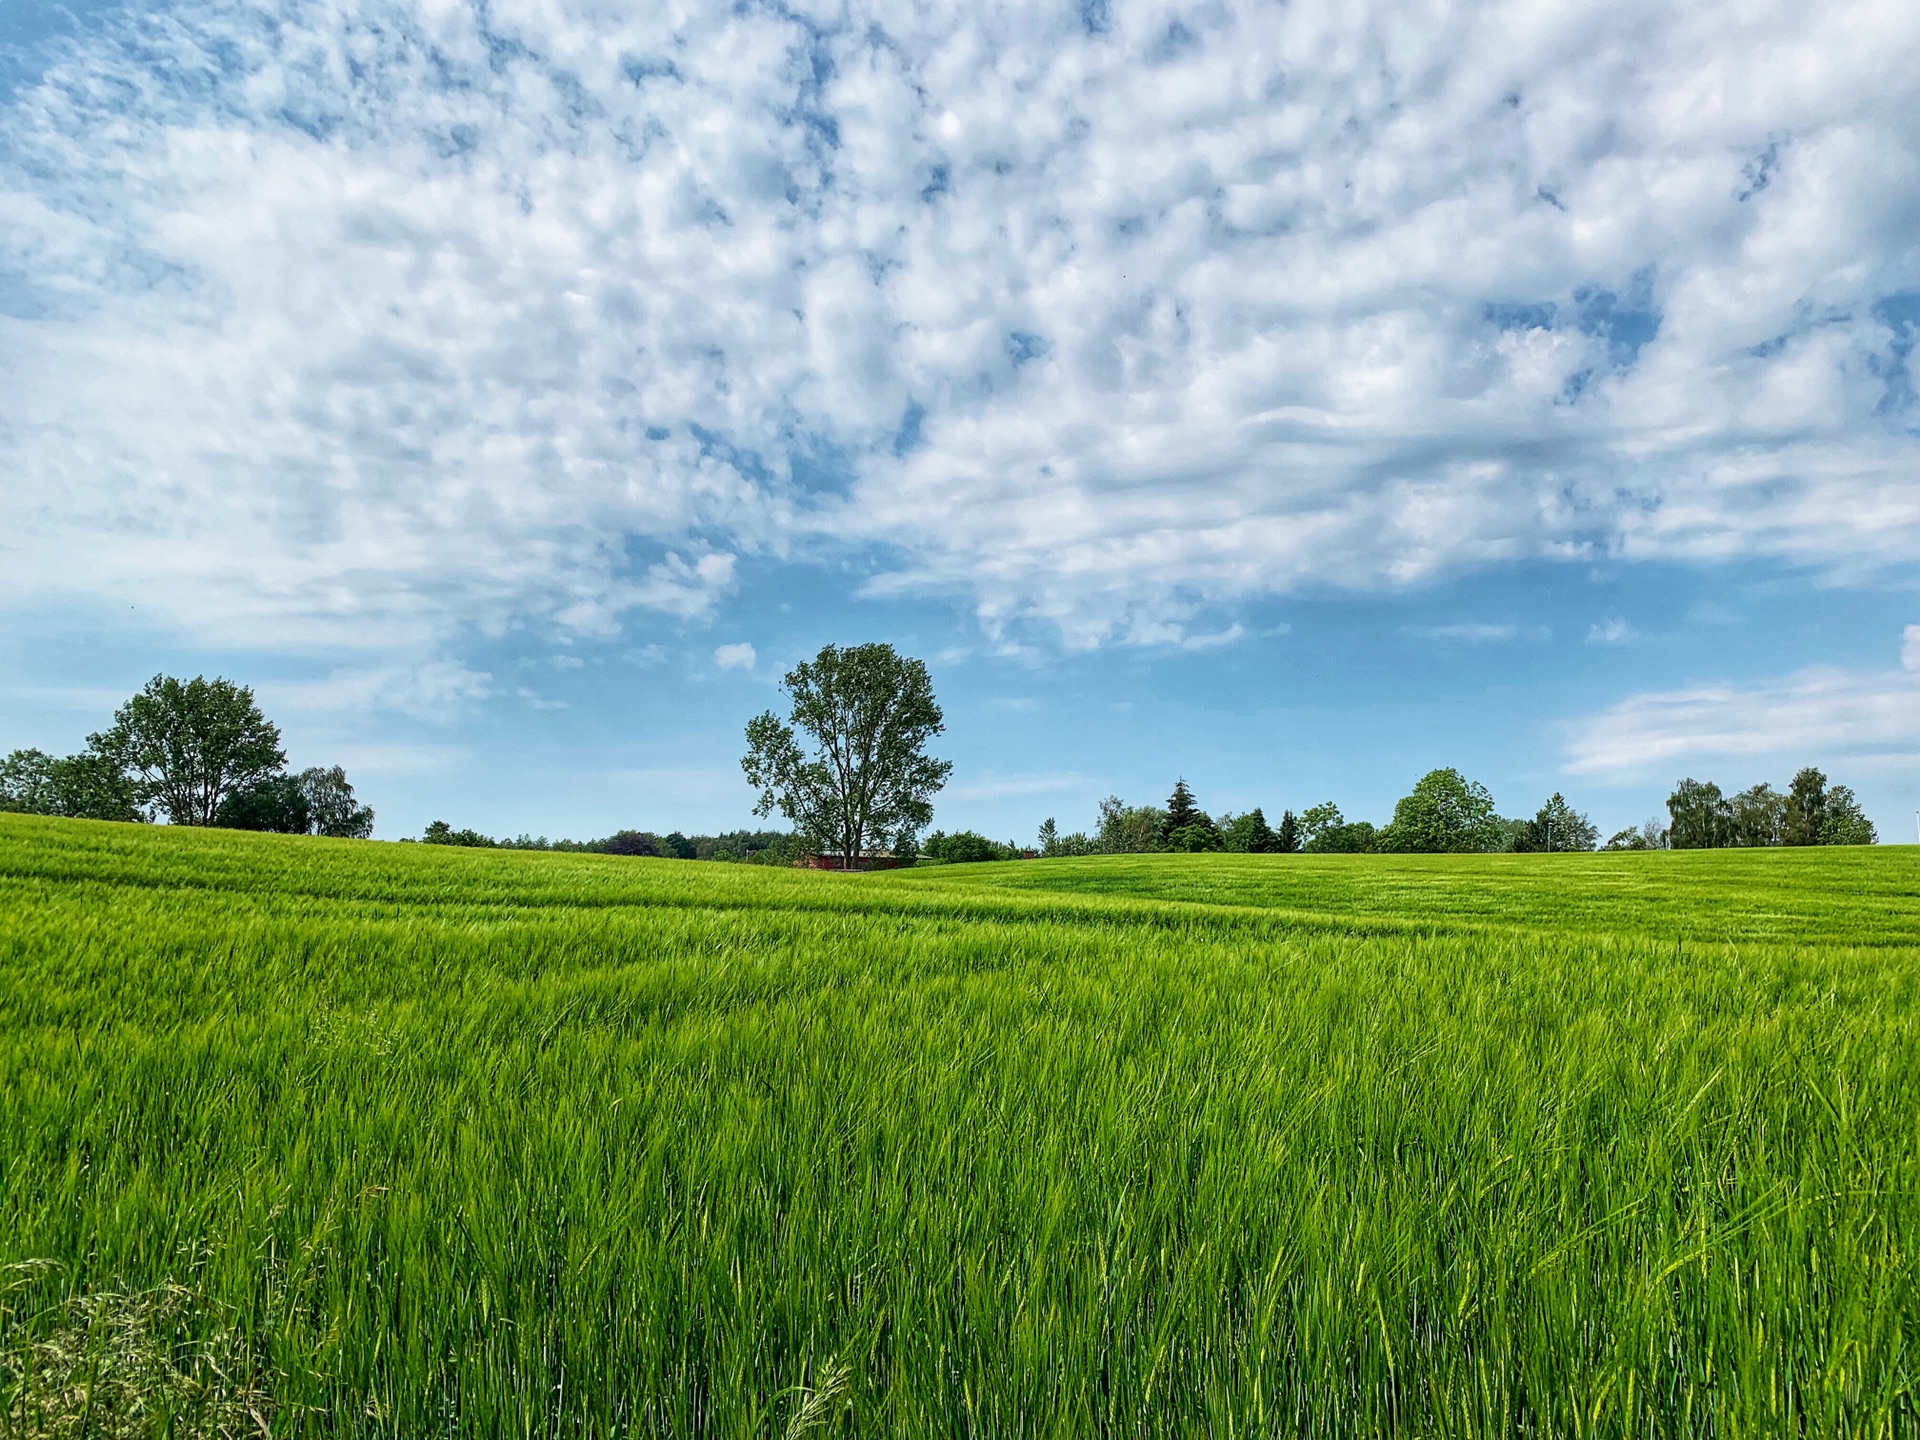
[{"x": 489, "y": 1143}]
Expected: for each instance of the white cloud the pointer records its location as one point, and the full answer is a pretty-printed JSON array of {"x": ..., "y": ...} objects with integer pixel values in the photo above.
[
  {"x": 998, "y": 786},
  {"x": 1910, "y": 648},
  {"x": 433, "y": 690},
  {"x": 1610, "y": 632},
  {"x": 360, "y": 325},
  {"x": 384, "y": 759},
  {"x": 1214, "y": 640},
  {"x": 94, "y": 700},
  {"x": 1476, "y": 632},
  {"x": 735, "y": 657},
  {"x": 1813, "y": 713}
]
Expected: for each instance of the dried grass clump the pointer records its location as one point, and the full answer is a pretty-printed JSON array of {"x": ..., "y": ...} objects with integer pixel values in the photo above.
[{"x": 112, "y": 1366}]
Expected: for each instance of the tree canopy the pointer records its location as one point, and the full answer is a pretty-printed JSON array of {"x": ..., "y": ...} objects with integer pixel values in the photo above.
[
  {"x": 1650, "y": 836},
  {"x": 1557, "y": 826},
  {"x": 1699, "y": 815},
  {"x": 190, "y": 743},
  {"x": 87, "y": 786},
  {"x": 1325, "y": 831},
  {"x": 863, "y": 773},
  {"x": 1446, "y": 812},
  {"x": 317, "y": 801},
  {"x": 1129, "y": 829},
  {"x": 966, "y": 847},
  {"x": 1186, "y": 827},
  {"x": 274, "y": 803},
  {"x": 1181, "y": 810},
  {"x": 1249, "y": 834},
  {"x": 331, "y": 807}
]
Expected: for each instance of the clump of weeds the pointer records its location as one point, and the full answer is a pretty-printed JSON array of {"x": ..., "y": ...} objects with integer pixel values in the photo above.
[{"x": 125, "y": 1365}]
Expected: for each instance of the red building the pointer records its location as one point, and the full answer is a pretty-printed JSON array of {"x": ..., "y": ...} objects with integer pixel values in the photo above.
[{"x": 836, "y": 860}]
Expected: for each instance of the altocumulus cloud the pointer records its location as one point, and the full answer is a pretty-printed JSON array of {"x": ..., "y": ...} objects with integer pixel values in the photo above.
[{"x": 353, "y": 323}]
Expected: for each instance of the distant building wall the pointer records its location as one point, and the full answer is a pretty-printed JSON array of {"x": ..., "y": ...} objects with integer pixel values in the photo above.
[{"x": 836, "y": 860}]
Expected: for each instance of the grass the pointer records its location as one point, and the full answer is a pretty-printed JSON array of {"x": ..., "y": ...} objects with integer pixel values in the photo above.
[{"x": 483, "y": 1143}]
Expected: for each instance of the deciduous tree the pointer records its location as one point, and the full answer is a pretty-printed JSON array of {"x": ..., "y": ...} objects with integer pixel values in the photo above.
[
  {"x": 1806, "y": 817},
  {"x": 190, "y": 743},
  {"x": 275, "y": 804},
  {"x": 1699, "y": 814},
  {"x": 1845, "y": 822},
  {"x": 864, "y": 772},
  {"x": 1317, "y": 821},
  {"x": 1757, "y": 816},
  {"x": 87, "y": 786},
  {"x": 26, "y": 782},
  {"x": 1129, "y": 830},
  {"x": 1445, "y": 813},
  {"x": 1249, "y": 834},
  {"x": 631, "y": 842},
  {"x": 1558, "y": 826},
  {"x": 1194, "y": 839},
  {"x": 1650, "y": 836},
  {"x": 331, "y": 806},
  {"x": 966, "y": 847},
  {"x": 1324, "y": 831},
  {"x": 439, "y": 832}
]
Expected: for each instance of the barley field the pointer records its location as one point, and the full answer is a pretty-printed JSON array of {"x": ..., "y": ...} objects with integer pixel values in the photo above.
[{"x": 338, "y": 1138}]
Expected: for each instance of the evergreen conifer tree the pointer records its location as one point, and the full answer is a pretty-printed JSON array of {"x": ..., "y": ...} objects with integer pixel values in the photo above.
[{"x": 1181, "y": 811}]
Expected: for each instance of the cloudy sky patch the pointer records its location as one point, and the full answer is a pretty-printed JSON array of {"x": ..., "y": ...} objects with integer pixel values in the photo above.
[
  {"x": 373, "y": 340},
  {"x": 1871, "y": 715}
]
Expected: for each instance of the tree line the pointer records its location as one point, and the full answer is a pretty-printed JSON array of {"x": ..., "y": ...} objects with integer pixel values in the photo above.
[
  {"x": 197, "y": 752},
  {"x": 1808, "y": 812},
  {"x": 753, "y": 847},
  {"x": 1445, "y": 813}
]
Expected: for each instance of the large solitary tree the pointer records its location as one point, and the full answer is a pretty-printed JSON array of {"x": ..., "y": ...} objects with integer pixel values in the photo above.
[
  {"x": 190, "y": 743},
  {"x": 850, "y": 763}
]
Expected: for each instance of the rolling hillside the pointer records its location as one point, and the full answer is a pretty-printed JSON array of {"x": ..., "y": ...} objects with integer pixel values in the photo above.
[{"x": 492, "y": 1143}]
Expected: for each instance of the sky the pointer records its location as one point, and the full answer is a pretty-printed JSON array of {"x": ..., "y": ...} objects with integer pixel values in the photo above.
[{"x": 1292, "y": 398}]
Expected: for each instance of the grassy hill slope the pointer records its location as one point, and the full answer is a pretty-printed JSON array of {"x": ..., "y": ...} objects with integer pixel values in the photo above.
[{"x": 488, "y": 1143}]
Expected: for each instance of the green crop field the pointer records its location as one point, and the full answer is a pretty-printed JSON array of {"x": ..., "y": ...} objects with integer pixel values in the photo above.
[{"x": 430, "y": 1141}]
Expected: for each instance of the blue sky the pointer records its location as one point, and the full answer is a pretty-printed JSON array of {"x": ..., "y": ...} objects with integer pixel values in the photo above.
[{"x": 1293, "y": 398}]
